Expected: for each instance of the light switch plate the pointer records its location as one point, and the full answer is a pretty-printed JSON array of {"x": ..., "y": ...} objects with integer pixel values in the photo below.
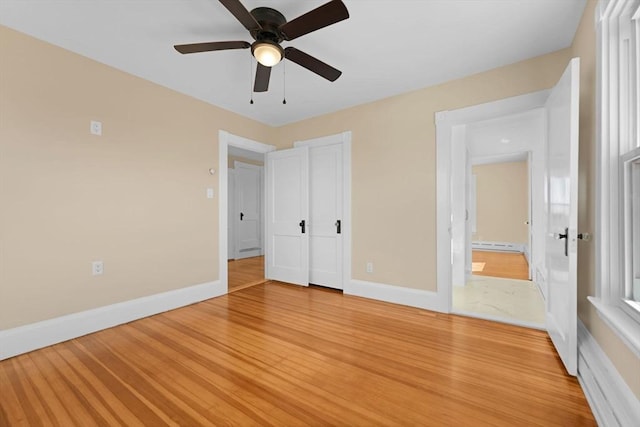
[
  {"x": 209, "y": 193},
  {"x": 96, "y": 128}
]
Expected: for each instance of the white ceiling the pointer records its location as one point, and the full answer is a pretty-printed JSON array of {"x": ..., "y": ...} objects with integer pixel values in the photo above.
[
  {"x": 385, "y": 48},
  {"x": 505, "y": 139}
]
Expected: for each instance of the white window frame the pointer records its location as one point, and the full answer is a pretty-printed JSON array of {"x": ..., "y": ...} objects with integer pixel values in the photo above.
[
  {"x": 631, "y": 241},
  {"x": 618, "y": 133}
]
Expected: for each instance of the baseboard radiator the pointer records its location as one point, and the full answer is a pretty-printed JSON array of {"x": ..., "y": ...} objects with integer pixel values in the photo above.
[
  {"x": 498, "y": 246},
  {"x": 612, "y": 402}
]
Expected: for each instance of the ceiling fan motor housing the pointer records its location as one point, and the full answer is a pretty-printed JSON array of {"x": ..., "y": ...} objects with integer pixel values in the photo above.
[{"x": 270, "y": 20}]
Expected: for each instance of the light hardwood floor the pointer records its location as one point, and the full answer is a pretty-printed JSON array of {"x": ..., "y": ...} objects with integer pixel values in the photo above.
[
  {"x": 283, "y": 355},
  {"x": 246, "y": 272},
  {"x": 508, "y": 265}
]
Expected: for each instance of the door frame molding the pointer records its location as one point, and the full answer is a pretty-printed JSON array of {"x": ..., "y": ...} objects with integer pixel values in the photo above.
[
  {"x": 344, "y": 139},
  {"x": 226, "y": 139},
  {"x": 445, "y": 122}
]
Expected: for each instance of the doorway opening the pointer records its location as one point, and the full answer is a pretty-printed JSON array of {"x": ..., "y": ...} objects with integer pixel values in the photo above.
[
  {"x": 242, "y": 211},
  {"x": 499, "y": 175},
  {"x": 245, "y": 199}
]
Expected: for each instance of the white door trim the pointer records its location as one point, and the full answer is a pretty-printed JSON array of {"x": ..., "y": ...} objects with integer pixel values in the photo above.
[
  {"x": 445, "y": 122},
  {"x": 226, "y": 139},
  {"x": 343, "y": 138}
]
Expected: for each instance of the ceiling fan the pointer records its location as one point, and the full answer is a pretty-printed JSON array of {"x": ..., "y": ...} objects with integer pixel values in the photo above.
[{"x": 269, "y": 28}]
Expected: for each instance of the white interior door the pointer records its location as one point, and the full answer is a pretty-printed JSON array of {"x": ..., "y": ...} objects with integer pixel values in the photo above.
[
  {"x": 287, "y": 255},
  {"x": 248, "y": 196},
  {"x": 325, "y": 215},
  {"x": 562, "y": 220}
]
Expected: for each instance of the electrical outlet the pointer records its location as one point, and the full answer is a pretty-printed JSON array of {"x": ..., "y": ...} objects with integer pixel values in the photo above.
[
  {"x": 369, "y": 267},
  {"x": 209, "y": 193},
  {"x": 97, "y": 268}
]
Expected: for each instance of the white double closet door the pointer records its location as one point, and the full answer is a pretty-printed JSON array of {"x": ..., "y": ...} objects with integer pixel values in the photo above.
[{"x": 305, "y": 215}]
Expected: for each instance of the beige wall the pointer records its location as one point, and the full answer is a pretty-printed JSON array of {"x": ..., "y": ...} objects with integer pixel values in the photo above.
[
  {"x": 134, "y": 198},
  {"x": 502, "y": 205},
  {"x": 394, "y": 165},
  {"x": 584, "y": 46}
]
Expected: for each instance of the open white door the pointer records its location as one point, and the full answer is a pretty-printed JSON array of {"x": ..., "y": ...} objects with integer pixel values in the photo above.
[
  {"x": 562, "y": 213},
  {"x": 326, "y": 215},
  {"x": 248, "y": 197},
  {"x": 287, "y": 255}
]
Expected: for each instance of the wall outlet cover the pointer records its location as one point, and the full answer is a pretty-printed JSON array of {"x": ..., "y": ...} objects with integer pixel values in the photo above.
[{"x": 97, "y": 268}]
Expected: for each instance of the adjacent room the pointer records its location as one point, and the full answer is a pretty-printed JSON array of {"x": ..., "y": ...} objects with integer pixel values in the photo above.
[
  {"x": 329, "y": 212},
  {"x": 502, "y": 188}
]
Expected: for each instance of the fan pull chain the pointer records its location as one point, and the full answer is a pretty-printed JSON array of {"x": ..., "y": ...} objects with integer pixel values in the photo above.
[
  {"x": 284, "y": 82},
  {"x": 250, "y": 79}
]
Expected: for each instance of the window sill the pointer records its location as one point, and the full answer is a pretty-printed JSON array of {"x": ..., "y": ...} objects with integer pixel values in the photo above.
[{"x": 620, "y": 322}]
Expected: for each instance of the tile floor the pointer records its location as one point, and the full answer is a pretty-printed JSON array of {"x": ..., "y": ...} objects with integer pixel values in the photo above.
[{"x": 509, "y": 300}]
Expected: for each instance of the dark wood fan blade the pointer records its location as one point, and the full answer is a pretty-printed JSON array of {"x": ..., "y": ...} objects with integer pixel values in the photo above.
[
  {"x": 312, "y": 64},
  {"x": 323, "y": 16},
  {"x": 241, "y": 13},
  {"x": 262, "y": 78},
  {"x": 210, "y": 46}
]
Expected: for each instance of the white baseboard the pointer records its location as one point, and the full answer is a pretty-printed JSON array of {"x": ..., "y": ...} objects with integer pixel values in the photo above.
[
  {"x": 610, "y": 398},
  {"x": 396, "y": 294},
  {"x": 48, "y": 332},
  {"x": 249, "y": 253},
  {"x": 497, "y": 246}
]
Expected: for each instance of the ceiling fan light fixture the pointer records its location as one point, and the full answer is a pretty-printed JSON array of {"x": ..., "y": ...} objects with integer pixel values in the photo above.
[{"x": 267, "y": 52}]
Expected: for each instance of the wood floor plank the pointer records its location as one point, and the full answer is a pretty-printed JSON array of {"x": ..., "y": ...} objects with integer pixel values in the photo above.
[
  {"x": 52, "y": 386},
  {"x": 508, "y": 265},
  {"x": 94, "y": 389},
  {"x": 246, "y": 272},
  {"x": 282, "y": 355},
  {"x": 197, "y": 384}
]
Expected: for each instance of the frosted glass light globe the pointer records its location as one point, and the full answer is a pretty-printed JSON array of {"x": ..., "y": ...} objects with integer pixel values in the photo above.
[{"x": 267, "y": 54}]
